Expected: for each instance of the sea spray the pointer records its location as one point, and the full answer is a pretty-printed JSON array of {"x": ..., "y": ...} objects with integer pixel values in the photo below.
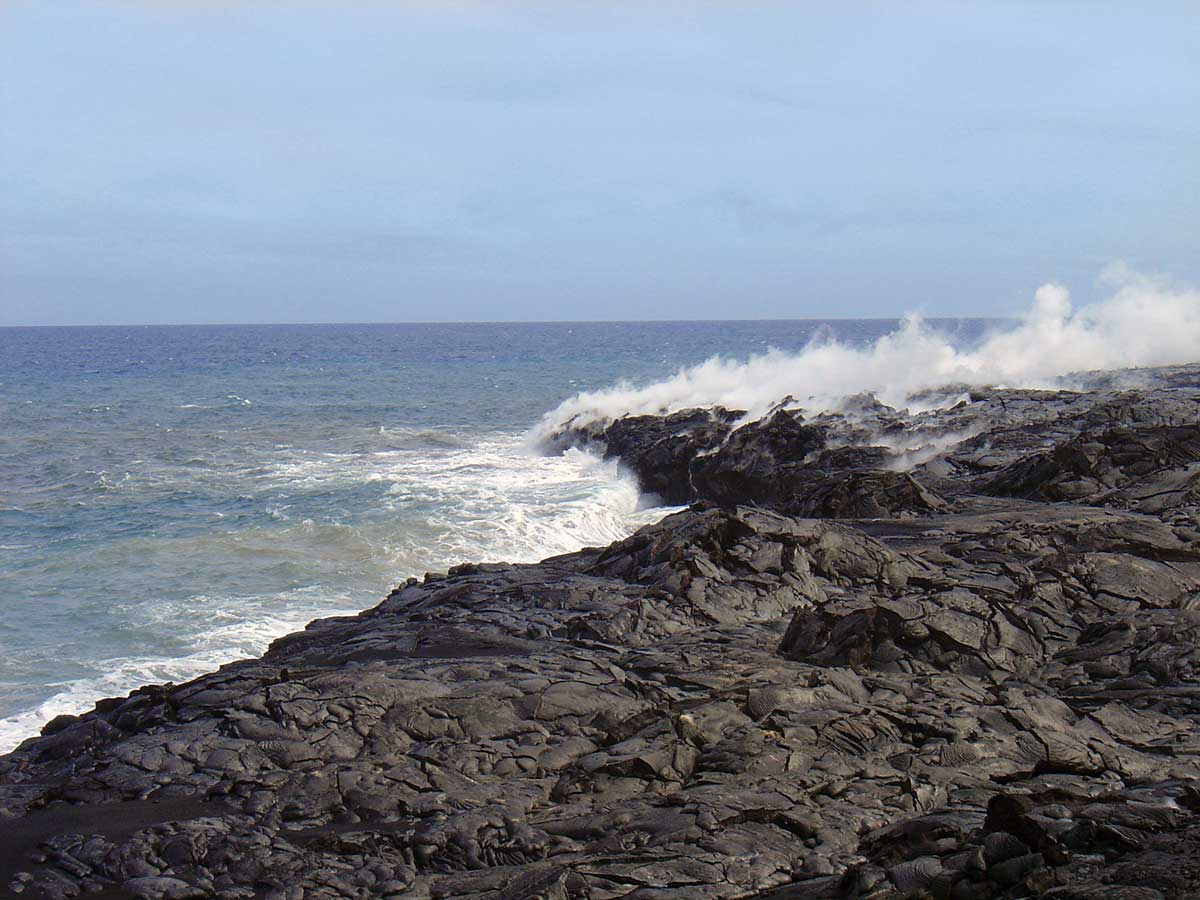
[
  {"x": 1143, "y": 323},
  {"x": 152, "y": 528}
]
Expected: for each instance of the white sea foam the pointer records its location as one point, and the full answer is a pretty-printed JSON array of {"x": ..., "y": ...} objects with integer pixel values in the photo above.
[
  {"x": 492, "y": 501},
  {"x": 232, "y": 637},
  {"x": 1145, "y": 322},
  {"x": 522, "y": 508}
]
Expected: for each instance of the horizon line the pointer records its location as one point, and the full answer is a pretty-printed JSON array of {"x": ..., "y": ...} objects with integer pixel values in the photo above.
[{"x": 980, "y": 318}]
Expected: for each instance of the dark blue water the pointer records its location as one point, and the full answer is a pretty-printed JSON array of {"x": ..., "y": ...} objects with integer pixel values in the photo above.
[{"x": 174, "y": 497}]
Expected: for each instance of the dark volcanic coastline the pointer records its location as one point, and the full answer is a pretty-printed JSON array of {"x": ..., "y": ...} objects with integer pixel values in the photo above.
[{"x": 884, "y": 654}]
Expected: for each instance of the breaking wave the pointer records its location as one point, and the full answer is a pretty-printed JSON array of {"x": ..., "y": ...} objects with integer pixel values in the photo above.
[{"x": 389, "y": 514}]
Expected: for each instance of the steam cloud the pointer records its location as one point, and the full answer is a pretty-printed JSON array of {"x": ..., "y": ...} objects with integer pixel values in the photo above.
[{"x": 1144, "y": 323}]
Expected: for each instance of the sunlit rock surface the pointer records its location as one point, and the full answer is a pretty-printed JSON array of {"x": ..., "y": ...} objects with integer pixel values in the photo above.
[{"x": 887, "y": 654}]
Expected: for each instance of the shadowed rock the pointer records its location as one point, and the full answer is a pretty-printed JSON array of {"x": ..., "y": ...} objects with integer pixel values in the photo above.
[
  {"x": 1096, "y": 466},
  {"x": 942, "y": 694}
]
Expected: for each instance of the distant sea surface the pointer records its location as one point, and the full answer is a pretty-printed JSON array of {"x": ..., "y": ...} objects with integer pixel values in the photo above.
[{"x": 173, "y": 498}]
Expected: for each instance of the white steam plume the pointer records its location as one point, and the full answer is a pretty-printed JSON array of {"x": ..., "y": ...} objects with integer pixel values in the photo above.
[{"x": 1144, "y": 323}]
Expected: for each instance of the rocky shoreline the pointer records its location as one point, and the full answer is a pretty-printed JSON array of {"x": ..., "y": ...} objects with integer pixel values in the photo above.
[{"x": 885, "y": 653}]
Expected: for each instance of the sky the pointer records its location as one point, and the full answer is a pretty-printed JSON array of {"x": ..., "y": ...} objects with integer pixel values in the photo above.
[{"x": 174, "y": 161}]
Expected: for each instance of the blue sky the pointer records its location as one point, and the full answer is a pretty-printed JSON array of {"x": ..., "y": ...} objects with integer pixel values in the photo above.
[{"x": 314, "y": 161}]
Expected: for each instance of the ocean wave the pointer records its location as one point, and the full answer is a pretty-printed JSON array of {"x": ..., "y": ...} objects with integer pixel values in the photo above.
[
  {"x": 522, "y": 507},
  {"x": 424, "y": 438},
  {"x": 233, "y": 636},
  {"x": 491, "y": 502}
]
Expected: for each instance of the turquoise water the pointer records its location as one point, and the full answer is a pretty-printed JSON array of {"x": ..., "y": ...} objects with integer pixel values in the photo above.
[{"x": 175, "y": 497}]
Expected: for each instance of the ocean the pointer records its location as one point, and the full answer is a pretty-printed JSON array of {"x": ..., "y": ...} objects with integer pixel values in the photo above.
[{"x": 173, "y": 498}]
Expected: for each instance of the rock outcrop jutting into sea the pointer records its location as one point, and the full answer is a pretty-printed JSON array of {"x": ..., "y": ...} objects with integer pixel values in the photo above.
[{"x": 884, "y": 654}]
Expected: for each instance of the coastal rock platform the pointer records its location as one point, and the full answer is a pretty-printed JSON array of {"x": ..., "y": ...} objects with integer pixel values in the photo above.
[{"x": 949, "y": 651}]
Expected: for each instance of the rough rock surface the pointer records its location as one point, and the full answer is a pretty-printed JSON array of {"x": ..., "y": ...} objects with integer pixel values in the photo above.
[{"x": 879, "y": 658}]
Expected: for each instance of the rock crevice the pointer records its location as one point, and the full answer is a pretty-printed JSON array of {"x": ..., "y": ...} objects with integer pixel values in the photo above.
[{"x": 884, "y": 654}]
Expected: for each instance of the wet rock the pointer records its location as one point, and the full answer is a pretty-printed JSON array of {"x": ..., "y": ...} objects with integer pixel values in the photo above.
[{"x": 660, "y": 449}]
